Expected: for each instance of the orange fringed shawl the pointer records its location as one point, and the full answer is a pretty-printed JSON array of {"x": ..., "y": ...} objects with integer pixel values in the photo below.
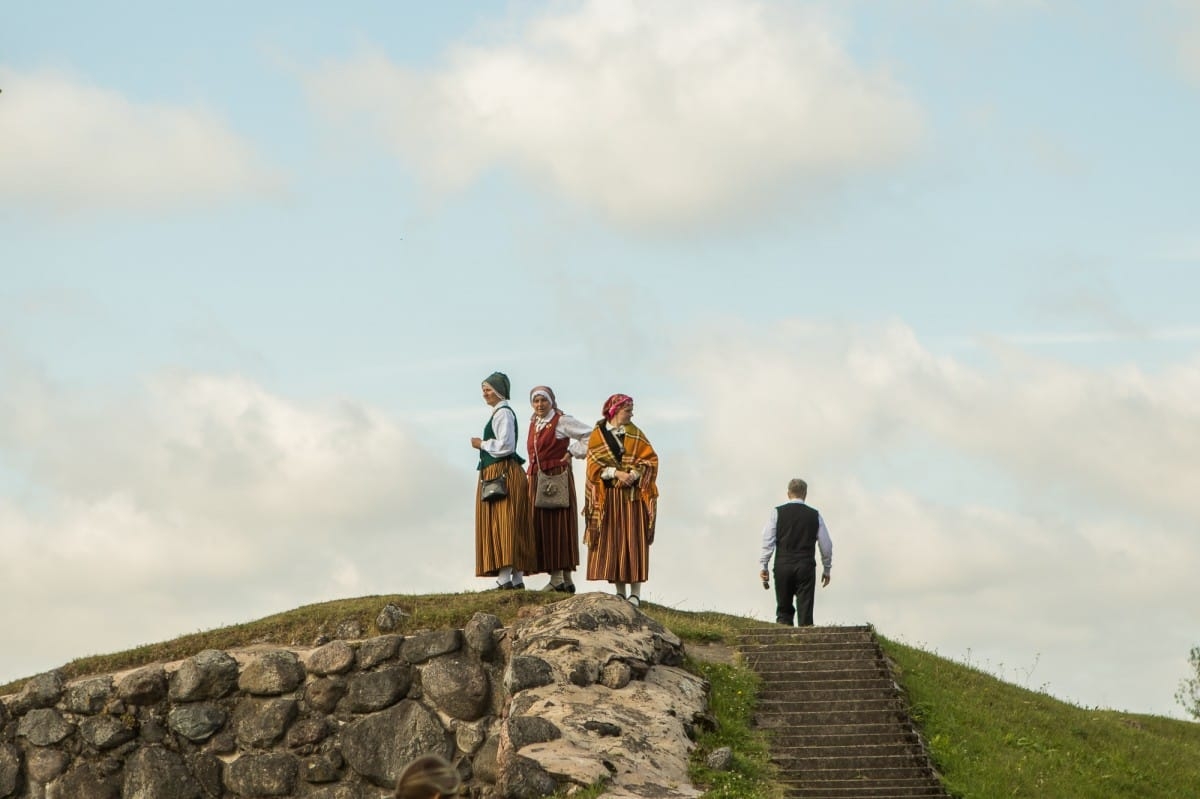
[{"x": 640, "y": 457}]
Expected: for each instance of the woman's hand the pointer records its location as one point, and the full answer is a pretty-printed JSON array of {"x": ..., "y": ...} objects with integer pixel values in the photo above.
[
  {"x": 477, "y": 443},
  {"x": 626, "y": 479}
]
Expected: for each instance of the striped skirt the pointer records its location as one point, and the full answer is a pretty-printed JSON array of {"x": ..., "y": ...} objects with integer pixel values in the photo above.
[
  {"x": 622, "y": 550},
  {"x": 556, "y": 530},
  {"x": 503, "y": 535}
]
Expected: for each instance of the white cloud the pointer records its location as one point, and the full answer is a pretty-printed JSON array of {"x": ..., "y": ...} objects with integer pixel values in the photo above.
[
  {"x": 67, "y": 144},
  {"x": 203, "y": 501},
  {"x": 670, "y": 113}
]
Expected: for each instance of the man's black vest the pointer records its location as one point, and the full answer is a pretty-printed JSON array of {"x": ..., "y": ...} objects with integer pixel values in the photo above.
[{"x": 796, "y": 534}]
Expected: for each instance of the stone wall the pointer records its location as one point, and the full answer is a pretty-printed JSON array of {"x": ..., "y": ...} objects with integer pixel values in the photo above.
[{"x": 586, "y": 690}]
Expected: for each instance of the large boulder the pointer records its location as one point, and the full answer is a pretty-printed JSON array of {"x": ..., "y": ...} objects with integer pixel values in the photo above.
[
  {"x": 272, "y": 673},
  {"x": 44, "y": 726},
  {"x": 211, "y": 674},
  {"x": 157, "y": 773},
  {"x": 606, "y": 676},
  {"x": 146, "y": 686},
  {"x": 263, "y": 775},
  {"x": 89, "y": 696},
  {"x": 458, "y": 686},
  {"x": 379, "y": 746}
]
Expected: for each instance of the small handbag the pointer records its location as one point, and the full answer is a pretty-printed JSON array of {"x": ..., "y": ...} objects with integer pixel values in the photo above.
[
  {"x": 494, "y": 489},
  {"x": 551, "y": 491}
]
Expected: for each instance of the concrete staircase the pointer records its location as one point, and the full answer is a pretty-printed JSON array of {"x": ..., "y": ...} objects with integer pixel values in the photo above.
[{"x": 839, "y": 726}]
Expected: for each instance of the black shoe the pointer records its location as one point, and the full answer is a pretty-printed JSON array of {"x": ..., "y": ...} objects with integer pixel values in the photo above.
[
  {"x": 517, "y": 587},
  {"x": 569, "y": 588},
  {"x": 505, "y": 586}
]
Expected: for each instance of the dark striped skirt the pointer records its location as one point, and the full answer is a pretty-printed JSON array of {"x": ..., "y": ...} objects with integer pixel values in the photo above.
[
  {"x": 503, "y": 533},
  {"x": 622, "y": 550},
  {"x": 556, "y": 530}
]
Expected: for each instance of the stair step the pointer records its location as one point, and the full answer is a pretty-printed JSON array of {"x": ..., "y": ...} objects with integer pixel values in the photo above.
[{"x": 788, "y": 739}]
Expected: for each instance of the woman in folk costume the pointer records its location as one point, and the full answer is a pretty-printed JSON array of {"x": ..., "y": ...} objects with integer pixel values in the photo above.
[
  {"x": 554, "y": 437},
  {"x": 504, "y": 546},
  {"x": 621, "y": 499}
]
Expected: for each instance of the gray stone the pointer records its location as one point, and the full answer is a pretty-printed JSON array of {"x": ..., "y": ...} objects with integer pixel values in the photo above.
[
  {"x": 349, "y": 629},
  {"x": 526, "y": 779},
  {"x": 223, "y": 743},
  {"x": 307, "y": 732},
  {"x": 720, "y": 759},
  {"x": 376, "y": 690},
  {"x": 44, "y": 690},
  {"x": 323, "y": 694},
  {"x": 89, "y": 696},
  {"x": 259, "y": 723},
  {"x": 208, "y": 771},
  {"x": 156, "y": 773},
  {"x": 480, "y": 634},
  {"x": 152, "y": 728},
  {"x": 107, "y": 732},
  {"x": 584, "y": 673},
  {"x": 44, "y": 726},
  {"x": 43, "y": 765},
  {"x": 527, "y": 671},
  {"x": 272, "y": 673},
  {"x": 10, "y": 768},
  {"x": 87, "y": 781},
  {"x": 196, "y": 722},
  {"x": 526, "y": 730},
  {"x": 211, "y": 674},
  {"x": 469, "y": 736},
  {"x": 374, "y": 651},
  {"x": 458, "y": 685},
  {"x": 320, "y": 769},
  {"x": 390, "y": 618},
  {"x": 616, "y": 675},
  {"x": 262, "y": 775},
  {"x": 487, "y": 765},
  {"x": 3, "y": 712},
  {"x": 336, "y": 657},
  {"x": 424, "y": 646},
  {"x": 379, "y": 746},
  {"x": 146, "y": 686}
]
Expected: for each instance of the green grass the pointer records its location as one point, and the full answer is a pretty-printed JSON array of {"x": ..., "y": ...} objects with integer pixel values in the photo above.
[
  {"x": 988, "y": 737},
  {"x": 732, "y": 700}
]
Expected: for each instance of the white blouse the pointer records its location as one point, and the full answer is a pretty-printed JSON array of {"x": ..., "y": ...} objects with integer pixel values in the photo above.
[{"x": 503, "y": 427}]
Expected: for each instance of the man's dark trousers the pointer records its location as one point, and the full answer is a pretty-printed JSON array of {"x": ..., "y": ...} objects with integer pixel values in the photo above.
[{"x": 795, "y": 581}]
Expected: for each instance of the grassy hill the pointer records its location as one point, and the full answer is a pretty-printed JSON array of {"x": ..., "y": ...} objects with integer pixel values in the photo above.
[{"x": 988, "y": 737}]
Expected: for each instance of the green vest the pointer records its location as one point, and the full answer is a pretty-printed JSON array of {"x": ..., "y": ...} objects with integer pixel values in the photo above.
[{"x": 488, "y": 434}]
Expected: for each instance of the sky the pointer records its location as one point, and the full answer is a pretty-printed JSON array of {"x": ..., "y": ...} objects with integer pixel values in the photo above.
[{"x": 939, "y": 259}]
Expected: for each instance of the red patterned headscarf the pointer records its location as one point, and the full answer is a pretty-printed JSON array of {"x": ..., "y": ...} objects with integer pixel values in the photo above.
[{"x": 615, "y": 403}]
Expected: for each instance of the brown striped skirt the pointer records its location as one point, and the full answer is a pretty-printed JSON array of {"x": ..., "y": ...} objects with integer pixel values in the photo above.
[
  {"x": 503, "y": 533},
  {"x": 622, "y": 550},
  {"x": 556, "y": 530}
]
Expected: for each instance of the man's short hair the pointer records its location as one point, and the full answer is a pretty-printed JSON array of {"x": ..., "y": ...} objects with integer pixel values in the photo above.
[{"x": 797, "y": 488}]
